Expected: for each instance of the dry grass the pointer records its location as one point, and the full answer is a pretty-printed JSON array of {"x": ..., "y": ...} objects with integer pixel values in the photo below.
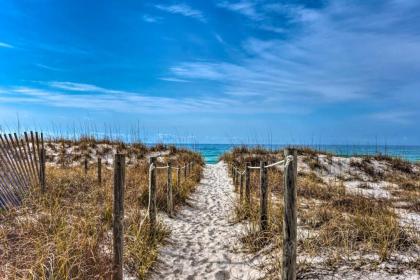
[
  {"x": 334, "y": 225},
  {"x": 66, "y": 233}
]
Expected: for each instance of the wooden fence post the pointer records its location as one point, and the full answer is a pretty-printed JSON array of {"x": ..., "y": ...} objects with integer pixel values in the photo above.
[
  {"x": 169, "y": 191},
  {"x": 235, "y": 179},
  {"x": 86, "y": 165},
  {"x": 263, "y": 197},
  {"x": 290, "y": 219},
  {"x": 241, "y": 187},
  {"x": 118, "y": 226},
  {"x": 233, "y": 175},
  {"x": 42, "y": 170},
  {"x": 247, "y": 184},
  {"x": 178, "y": 177},
  {"x": 99, "y": 171},
  {"x": 185, "y": 172},
  {"x": 152, "y": 194}
]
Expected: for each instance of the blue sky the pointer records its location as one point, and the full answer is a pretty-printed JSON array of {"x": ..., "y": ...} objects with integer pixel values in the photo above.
[{"x": 345, "y": 72}]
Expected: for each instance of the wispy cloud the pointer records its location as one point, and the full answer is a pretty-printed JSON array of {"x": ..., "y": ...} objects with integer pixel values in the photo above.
[
  {"x": 398, "y": 117},
  {"x": 92, "y": 97},
  {"x": 171, "y": 79},
  {"x": 5, "y": 45},
  {"x": 219, "y": 39},
  {"x": 245, "y": 7},
  {"x": 98, "y": 98},
  {"x": 71, "y": 86},
  {"x": 151, "y": 19},
  {"x": 333, "y": 54},
  {"x": 182, "y": 9},
  {"x": 43, "y": 66},
  {"x": 257, "y": 11},
  {"x": 199, "y": 70}
]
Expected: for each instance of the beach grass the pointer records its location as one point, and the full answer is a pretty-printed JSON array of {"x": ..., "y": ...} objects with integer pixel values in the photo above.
[
  {"x": 66, "y": 233},
  {"x": 337, "y": 226}
]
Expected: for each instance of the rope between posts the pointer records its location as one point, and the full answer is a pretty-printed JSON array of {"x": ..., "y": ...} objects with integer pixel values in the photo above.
[
  {"x": 178, "y": 168},
  {"x": 274, "y": 164},
  {"x": 286, "y": 162},
  {"x": 289, "y": 160},
  {"x": 253, "y": 167},
  {"x": 162, "y": 167}
]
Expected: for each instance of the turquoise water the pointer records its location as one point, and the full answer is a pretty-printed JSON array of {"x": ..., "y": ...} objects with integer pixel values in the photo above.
[{"x": 212, "y": 152}]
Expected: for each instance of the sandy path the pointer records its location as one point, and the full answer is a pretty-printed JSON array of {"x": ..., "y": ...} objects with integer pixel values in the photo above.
[{"x": 203, "y": 240}]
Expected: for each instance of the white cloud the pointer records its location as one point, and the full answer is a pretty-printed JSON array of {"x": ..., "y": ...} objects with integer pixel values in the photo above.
[
  {"x": 198, "y": 70},
  {"x": 43, "y": 66},
  {"x": 244, "y": 7},
  {"x": 182, "y": 9},
  {"x": 98, "y": 98},
  {"x": 397, "y": 117},
  {"x": 70, "y": 86},
  {"x": 219, "y": 39},
  {"x": 92, "y": 97},
  {"x": 340, "y": 53},
  {"x": 5, "y": 45},
  {"x": 151, "y": 19},
  {"x": 171, "y": 79}
]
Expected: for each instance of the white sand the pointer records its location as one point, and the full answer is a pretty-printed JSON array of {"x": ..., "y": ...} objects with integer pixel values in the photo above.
[{"x": 203, "y": 241}]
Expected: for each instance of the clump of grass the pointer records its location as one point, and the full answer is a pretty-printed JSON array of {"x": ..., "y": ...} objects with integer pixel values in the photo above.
[
  {"x": 253, "y": 238},
  {"x": 314, "y": 163},
  {"x": 365, "y": 165},
  {"x": 58, "y": 234},
  {"x": 396, "y": 163},
  {"x": 379, "y": 232}
]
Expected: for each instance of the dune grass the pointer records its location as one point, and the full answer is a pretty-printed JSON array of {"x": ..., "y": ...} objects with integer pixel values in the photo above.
[
  {"x": 334, "y": 225},
  {"x": 66, "y": 233}
]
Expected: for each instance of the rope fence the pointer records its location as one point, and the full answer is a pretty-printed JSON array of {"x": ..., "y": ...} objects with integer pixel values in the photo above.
[
  {"x": 289, "y": 217},
  {"x": 118, "y": 210}
]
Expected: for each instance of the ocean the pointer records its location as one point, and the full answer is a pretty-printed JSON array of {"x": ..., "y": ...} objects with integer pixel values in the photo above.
[{"x": 212, "y": 152}]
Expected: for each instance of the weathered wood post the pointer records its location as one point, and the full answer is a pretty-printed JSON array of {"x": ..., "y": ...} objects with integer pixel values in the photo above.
[
  {"x": 99, "y": 171},
  {"x": 235, "y": 179},
  {"x": 42, "y": 170},
  {"x": 169, "y": 191},
  {"x": 118, "y": 226},
  {"x": 247, "y": 184},
  {"x": 290, "y": 218},
  {"x": 152, "y": 194},
  {"x": 85, "y": 165},
  {"x": 263, "y": 197},
  {"x": 178, "y": 177},
  {"x": 185, "y": 172},
  {"x": 241, "y": 187},
  {"x": 187, "y": 169},
  {"x": 233, "y": 175}
]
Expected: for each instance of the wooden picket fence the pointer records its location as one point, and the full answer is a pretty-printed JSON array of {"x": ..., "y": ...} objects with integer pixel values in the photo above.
[
  {"x": 241, "y": 178},
  {"x": 22, "y": 166}
]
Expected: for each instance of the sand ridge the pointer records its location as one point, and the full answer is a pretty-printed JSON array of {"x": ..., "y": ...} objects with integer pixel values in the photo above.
[{"x": 204, "y": 242}]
